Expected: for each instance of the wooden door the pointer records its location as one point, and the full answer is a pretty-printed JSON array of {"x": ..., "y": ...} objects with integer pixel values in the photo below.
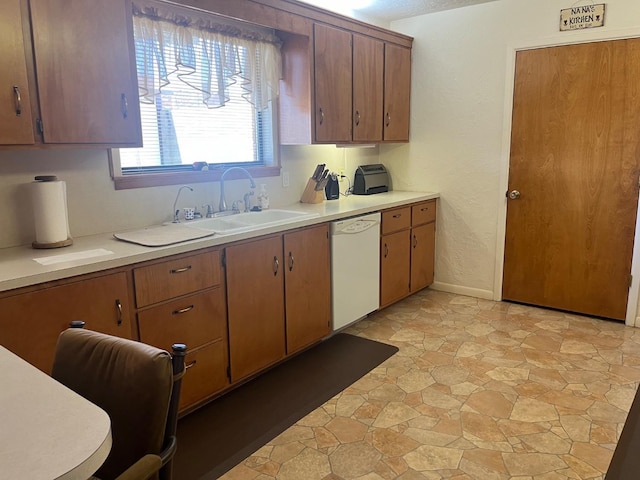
[
  {"x": 333, "y": 84},
  {"x": 394, "y": 267},
  {"x": 255, "y": 305},
  {"x": 574, "y": 177},
  {"x": 397, "y": 92},
  {"x": 423, "y": 243},
  {"x": 85, "y": 66},
  {"x": 31, "y": 322},
  {"x": 368, "y": 76},
  {"x": 15, "y": 97},
  {"x": 307, "y": 286}
]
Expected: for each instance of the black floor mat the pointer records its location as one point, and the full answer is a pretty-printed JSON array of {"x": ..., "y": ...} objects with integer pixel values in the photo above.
[{"x": 221, "y": 434}]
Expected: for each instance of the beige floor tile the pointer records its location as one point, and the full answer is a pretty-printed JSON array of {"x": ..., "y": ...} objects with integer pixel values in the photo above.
[{"x": 479, "y": 390}]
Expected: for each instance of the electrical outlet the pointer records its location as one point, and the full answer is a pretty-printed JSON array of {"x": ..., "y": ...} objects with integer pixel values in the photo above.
[
  {"x": 285, "y": 179},
  {"x": 340, "y": 174}
]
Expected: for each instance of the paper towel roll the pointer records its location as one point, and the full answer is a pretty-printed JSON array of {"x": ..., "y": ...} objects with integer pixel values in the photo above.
[{"x": 49, "y": 199}]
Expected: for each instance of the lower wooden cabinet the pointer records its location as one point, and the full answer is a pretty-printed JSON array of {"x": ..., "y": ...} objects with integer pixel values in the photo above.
[
  {"x": 187, "y": 305},
  {"x": 31, "y": 322},
  {"x": 204, "y": 375},
  {"x": 307, "y": 286},
  {"x": 255, "y": 303},
  {"x": 407, "y": 248},
  {"x": 395, "y": 267},
  {"x": 278, "y": 297}
]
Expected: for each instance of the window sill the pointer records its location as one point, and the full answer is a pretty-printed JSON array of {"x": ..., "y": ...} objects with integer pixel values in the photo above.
[{"x": 177, "y": 178}]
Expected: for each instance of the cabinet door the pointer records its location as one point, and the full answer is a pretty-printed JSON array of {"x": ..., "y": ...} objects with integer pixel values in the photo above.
[
  {"x": 15, "y": 98},
  {"x": 255, "y": 305},
  {"x": 423, "y": 242},
  {"x": 307, "y": 286},
  {"x": 86, "y": 71},
  {"x": 31, "y": 322},
  {"x": 397, "y": 92},
  {"x": 368, "y": 76},
  {"x": 332, "y": 54},
  {"x": 394, "y": 267}
]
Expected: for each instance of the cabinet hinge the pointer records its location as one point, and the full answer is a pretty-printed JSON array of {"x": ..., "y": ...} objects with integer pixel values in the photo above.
[{"x": 40, "y": 126}]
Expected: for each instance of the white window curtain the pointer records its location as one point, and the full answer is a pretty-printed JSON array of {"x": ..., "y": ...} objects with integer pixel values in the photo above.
[{"x": 207, "y": 56}]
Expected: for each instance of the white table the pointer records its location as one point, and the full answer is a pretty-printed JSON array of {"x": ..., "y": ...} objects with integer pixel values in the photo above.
[{"x": 47, "y": 431}]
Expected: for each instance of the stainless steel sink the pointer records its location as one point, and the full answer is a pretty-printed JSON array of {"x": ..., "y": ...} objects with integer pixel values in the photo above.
[{"x": 245, "y": 222}]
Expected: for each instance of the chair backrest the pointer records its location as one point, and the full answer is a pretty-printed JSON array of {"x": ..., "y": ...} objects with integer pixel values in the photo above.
[{"x": 133, "y": 382}]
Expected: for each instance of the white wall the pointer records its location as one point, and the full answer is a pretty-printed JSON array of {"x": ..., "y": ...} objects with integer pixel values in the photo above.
[
  {"x": 96, "y": 207},
  {"x": 460, "y": 120}
]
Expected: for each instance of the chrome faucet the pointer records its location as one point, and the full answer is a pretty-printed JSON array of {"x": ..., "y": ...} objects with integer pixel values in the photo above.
[
  {"x": 222, "y": 206},
  {"x": 176, "y": 213}
]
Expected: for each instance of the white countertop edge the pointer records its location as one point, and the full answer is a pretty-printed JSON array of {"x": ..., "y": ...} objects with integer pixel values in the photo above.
[{"x": 19, "y": 269}]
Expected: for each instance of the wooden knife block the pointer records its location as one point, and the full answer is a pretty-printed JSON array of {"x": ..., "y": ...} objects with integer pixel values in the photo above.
[{"x": 310, "y": 194}]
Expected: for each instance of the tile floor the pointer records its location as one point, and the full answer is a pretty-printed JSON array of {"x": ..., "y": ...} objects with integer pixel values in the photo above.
[{"x": 479, "y": 390}]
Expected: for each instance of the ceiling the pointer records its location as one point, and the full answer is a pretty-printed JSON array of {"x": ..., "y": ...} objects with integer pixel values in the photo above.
[{"x": 390, "y": 10}]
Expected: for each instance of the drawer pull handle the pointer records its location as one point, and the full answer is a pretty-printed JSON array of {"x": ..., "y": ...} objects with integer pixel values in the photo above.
[
  {"x": 182, "y": 310},
  {"x": 415, "y": 241},
  {"x": 189, "y": 365},
  {"x": 124, "y": 106},
  {"x": 397, "y": 215},
  {"x": 119, "y": 308},
  {"x": 181, "y": 270},
  {"x": 18, "y": 99},
  {"x": 386, "y": 250},
  {"x": 276, "y": 266},
  {"x": 424, "y": 209},
  {"x": 290, "y": 261},
  {"x": 321, "y": 116}
]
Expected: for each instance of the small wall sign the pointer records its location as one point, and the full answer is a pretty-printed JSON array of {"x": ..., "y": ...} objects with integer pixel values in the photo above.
[{"x": 586, "y": 16}]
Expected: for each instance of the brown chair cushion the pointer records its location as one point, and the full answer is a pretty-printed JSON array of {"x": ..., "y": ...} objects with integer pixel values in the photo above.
[{"x": 130, "y": 380}]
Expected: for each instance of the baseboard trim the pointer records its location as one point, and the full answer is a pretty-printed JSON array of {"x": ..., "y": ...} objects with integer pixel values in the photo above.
[{"x": 460, "y": 290}]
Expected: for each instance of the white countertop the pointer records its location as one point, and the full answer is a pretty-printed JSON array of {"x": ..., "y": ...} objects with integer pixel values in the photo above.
[
  {"x": 48, "y": 431},
  {"x": 19, "y": 267}
]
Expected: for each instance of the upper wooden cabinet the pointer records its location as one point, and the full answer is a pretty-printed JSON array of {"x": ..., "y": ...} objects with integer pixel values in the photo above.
[
  {"x": 15, "y": 97},
  {"x": 362, "y": 88},
  {"x": 85, "y": 70},
  {"x": 368, "y": 75},
  {"x": 397, "y": 92},
  {"x": 333, "y": 84}
]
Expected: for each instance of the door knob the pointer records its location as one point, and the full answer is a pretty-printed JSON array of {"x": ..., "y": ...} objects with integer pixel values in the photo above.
[{"x": 514, "y": 194}]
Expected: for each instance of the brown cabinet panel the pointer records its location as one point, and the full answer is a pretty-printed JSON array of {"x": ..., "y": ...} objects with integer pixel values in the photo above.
[
  {"x": 15, "y": 96},
  {"x": 394, "y": 267},
  {"x": 333, "y": 84},
  {"x": 193, "y": 320},
  {"x": 255, "y": 305},
  {"x": 368, "y": 77},
  {"x": 307, "y": 286},
  {"x": 205, "y": 375},
  {"x": 423, "y": 213},
  {"x": 397, "y": 92},
  {"x": 86, "y": 71},
  {"x": 422, "y": 255},
  {"x": 31, "y": 322},
  {"x": 173, "y": 278},
  {"x": 396, "y": 219}
]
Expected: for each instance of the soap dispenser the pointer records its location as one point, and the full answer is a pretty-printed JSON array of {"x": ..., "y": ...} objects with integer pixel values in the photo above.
[{"x": 263, "y": 197}]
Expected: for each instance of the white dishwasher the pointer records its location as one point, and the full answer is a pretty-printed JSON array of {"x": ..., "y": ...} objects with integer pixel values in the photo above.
[{"x": 355, "y": 268}]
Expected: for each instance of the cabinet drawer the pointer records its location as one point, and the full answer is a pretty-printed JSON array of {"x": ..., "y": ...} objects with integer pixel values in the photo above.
[
  {"x": 423, "y": 213},
  {"x": 396, "y": 219},
  {"x": 193, "y": 320},
  {"x": 206, "y": 373},
  {"x": 176, "y": 277}
]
